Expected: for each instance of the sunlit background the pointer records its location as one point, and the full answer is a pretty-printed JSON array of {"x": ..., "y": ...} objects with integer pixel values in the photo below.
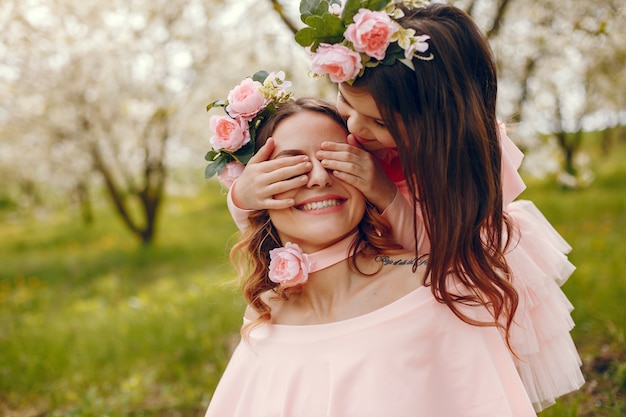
[{"x": 116, "y": 293}]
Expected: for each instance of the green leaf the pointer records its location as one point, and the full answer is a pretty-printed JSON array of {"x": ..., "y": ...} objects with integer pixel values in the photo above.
[
  {"x": 260, "y": 76},
  {"x": 245, "y": 153},
  {"x": 305, "y": 36},
  {"x": 211, "y": 155},
  {"x": 217, "y": 166},
  {"x": 217, "y": 103},
  {"x": 394, "y": 51},
  {"x": 353, "y": 6},
  {"x": 322, "y": 29},
  {"x": 312, "y": 8}
]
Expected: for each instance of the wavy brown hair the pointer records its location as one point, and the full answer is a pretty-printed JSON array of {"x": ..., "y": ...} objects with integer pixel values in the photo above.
[
  {"x": 251, "y": 254},
  {"x": 443, "y": 117}
]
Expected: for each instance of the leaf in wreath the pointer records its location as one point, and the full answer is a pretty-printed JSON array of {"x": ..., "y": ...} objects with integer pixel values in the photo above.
[
  {"x": 321, "y": 29},
  {"x": 245, "y": 153},
  {"x": 394, "y": 51},
  {"x": 260, "y": 76},
  {"x": 353, "y": 6},
  {"x": 217, "y": 166},
  {"x": 211, "y": 155},
  {"x": 312, "y": 8},
  {"x": 217, "y": 103}
]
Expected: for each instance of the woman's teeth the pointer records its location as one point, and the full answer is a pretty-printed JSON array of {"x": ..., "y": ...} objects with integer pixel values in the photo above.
[{"x": 319, "y": 205}]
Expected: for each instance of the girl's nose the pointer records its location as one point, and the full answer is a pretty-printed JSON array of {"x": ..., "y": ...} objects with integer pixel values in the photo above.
[{"x": 356, "y": 125}]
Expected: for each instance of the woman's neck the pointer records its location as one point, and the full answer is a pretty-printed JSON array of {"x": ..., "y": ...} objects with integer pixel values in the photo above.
[{"x": 335, "y": 253}]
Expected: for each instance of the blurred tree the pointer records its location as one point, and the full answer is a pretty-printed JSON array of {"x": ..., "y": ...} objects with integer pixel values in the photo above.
[
  {"x": 111, "y": 95},
  {"x": 557, "y": 62},
  {"x": 95, "y": 85}
]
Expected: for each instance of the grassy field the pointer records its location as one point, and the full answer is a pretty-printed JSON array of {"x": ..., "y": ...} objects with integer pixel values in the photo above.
[{"x": 93, "y": 325}]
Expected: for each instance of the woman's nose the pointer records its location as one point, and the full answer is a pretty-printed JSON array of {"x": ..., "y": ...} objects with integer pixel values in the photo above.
[{"x": 319, "y": 176}]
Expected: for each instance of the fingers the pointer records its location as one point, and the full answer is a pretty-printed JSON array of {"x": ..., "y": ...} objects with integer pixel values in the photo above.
[
  {"x": 353, "y": 142},
  {"x": 263, "y": 153}
]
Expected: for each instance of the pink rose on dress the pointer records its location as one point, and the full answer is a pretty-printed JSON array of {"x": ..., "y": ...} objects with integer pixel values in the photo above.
[
  {"x": 289, "y": 266},
  {"x": 231, "y": 172},
  {"x": 246, "y": 100},
  {"x": 340, "y": 63},
  {"x": 230, "y": 134},
  {"x": 371, "y": 32}
]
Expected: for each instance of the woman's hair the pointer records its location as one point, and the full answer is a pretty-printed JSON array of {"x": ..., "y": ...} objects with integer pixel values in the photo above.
[
  {"x": 443, "y": 118},
  {"x": 251, "y": 253}
]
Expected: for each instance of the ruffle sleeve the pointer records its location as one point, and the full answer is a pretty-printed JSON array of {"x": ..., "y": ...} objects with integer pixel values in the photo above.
[{"x": 547, "y": 359}]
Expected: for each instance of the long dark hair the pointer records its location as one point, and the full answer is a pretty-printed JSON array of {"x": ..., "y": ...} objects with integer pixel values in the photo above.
[{"x": 443, "y": 117}]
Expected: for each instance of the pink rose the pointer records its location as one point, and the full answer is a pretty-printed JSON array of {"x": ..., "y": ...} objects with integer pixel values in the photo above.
[
  {"x": 371, "y": 32},
  {"x": 340, "y": 63},
  {"x": 246, "y": 100},
  {"x": 231, "y": 172},
  {"x": 289, "y": 266},
  {"x": 230, "y": 134}
]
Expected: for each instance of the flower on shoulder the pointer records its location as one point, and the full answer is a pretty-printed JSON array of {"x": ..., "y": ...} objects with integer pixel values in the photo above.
[{"x": 289, "y": 266}]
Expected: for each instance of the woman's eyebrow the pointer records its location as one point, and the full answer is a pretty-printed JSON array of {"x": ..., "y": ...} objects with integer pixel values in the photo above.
[{"x": 289, "y": 152}]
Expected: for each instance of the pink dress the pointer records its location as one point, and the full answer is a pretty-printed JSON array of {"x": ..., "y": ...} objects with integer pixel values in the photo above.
[
  {"x": 547, "y": 360},
  {"x": 413, "y": 357}
]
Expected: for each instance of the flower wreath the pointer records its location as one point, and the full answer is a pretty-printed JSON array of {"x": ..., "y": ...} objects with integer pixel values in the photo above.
[
  {"x": 345, "y": 39},
  {"x": 255, "y": 99}
]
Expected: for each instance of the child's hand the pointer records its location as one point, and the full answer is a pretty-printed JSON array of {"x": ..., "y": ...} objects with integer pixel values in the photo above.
[
  {"x": 357, "y": 167},
  {"x": 262, "y": 179}
]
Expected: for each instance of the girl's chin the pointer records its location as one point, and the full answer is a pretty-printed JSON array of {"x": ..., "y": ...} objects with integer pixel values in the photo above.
[{"x": 368, "y": 144}]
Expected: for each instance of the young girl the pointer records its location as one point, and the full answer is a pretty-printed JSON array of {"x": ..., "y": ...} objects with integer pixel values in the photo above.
[
  {"x": 418, "y": 87},
  {"x": 339, "y": 322}
]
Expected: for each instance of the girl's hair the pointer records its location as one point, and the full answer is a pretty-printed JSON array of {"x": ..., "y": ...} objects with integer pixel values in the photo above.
[
  {"x": 443, "y": 117},
  {"x": 251, "y": 253}
]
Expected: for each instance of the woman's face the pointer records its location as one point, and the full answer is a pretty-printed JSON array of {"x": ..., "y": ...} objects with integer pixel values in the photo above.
[
  {"x": 326, "y": 209},
  {"x": 359, "y": 109}
]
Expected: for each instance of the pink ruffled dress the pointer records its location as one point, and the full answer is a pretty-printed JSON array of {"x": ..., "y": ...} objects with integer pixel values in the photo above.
[
  {"x": 547, "y": 360},
  {"x": 413, "y": 357}
]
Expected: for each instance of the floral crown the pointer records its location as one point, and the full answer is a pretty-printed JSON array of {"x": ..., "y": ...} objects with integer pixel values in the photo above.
[
  {"x": 251, "y": 102},
  {"x": 345, "y": 39}
]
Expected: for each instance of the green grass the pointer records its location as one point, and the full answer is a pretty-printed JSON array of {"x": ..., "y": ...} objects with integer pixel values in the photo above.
[
  {"x": 91, "y": 324},
  {"x": 593, "y": 221}
]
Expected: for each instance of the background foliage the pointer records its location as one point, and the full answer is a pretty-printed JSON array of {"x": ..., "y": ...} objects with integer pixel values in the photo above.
[{"x": 103, "y": 131}]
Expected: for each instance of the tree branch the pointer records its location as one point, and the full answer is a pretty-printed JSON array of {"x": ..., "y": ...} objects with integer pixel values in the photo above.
[
  {"x": 498, "y": 20},
  {"x": 281, "y": 13}
]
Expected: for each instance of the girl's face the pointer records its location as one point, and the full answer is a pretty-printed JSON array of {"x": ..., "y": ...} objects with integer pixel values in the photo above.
[
  {"x": 359, "y": 109},
  {"x": 326, "y": 209}
]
